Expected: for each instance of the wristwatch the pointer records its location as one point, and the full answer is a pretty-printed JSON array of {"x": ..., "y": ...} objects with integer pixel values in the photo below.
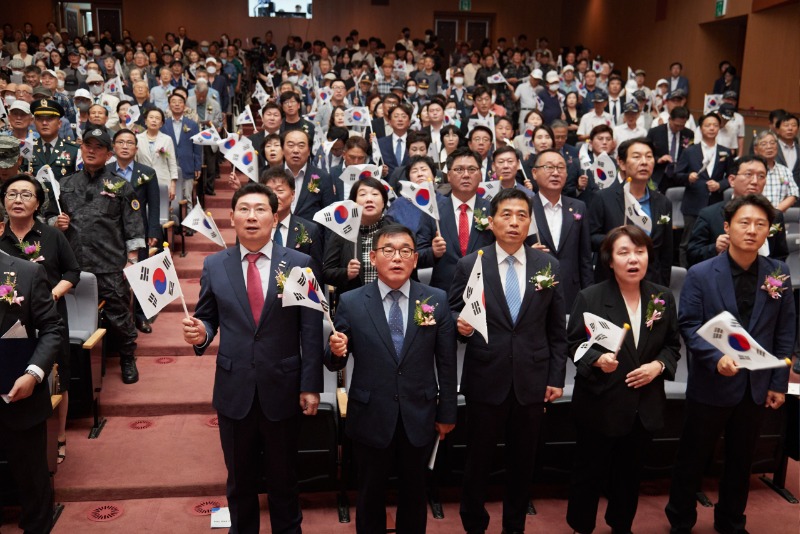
[
  {"x": 663, "y": 366},
  {"x": 34, "y": 375}
]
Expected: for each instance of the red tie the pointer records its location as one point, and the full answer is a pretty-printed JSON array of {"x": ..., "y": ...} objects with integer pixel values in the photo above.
[
  {"x": 463, "y": 229},
  {"x": 255, "y": 292}
]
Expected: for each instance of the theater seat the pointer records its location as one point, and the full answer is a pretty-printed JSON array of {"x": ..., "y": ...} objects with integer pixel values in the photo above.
[
  {"x": 793, "y": 260},
  {"x": 425, "y": 275},
  {"x": 86, "y": 350},
  {"x": 676, "y": 280},
  {"x": 167, "y": 223},
  {"x": 675, "y": 195},
  {"x": 792, "y": 221}
]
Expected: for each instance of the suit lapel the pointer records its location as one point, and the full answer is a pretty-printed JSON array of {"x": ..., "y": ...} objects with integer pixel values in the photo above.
[
  {"x": 447, "y": 224},
  {"x": 415, "y": 294},
  {"x": 568, "y": 212},
  {"x": 761, "y": 295},
  {"x": 531, "y": 266},
  {"x": 377, "y": 315},
  {"x": 725, "y": 284},
  {"x": 545, "y": 237},
  {"x": 233, "y": 266},
  {"x": 617, "y": 312},
  {"x": 495, "y": 286},
  {"x": 474, "y": 232}
]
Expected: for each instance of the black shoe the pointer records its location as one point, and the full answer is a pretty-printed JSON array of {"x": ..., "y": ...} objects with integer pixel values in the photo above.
[
  {"x": 188, "y": 232},
  {"x": 143, "y": 326},
  {"x": 130, "y": 375}
]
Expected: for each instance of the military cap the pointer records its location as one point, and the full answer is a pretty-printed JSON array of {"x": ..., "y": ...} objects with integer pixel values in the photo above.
[{"x": 46, "y": 106}]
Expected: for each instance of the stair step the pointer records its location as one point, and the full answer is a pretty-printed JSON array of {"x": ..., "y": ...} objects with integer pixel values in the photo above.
[{"x": 167, "y": 338}]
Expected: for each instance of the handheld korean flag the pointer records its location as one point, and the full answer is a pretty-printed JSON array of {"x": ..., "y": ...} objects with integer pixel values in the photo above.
[
  {"x": 245, "y": 117},
  {"x": 353, "y": 173},
  {"x": 634, "y": 211},
  {"x": 631, "y": 75},
  {"x": 596, "y": 66},
  {"x": 726, "y": 334},
  {"x": 203, "y": 223},
  {"x": 422, "y": 196},
  {"x": 601, "y": 332},
  {"x": 208, "y": 137},
  {"x": 711, "y": 103},
  {"x": 44, "y": 175},
  {"x": 3, "y": 113},
  {"x": 605, "y": 172},
  {"x": 342, "y": 218},
  {"x": 488, "y": 190},
  {"x": 323, "y": 96},
  {"x": 261, "y": 95},
  {"x": 496, "y": 78},
  {"x": 133, "y": 116},
  {"x": 113, "y": 86},
  {"x": 301, "y": 288},
  {"x": 376, "y": 150},
  {"x": 358, "y": 116},
  {"x": 26, "y": 148},
  {"x": 474, "y": 312},
  {"x": 583, "y": 157},
  {"x": 155, "y": 283},
  {"x": 243, "y": 157}
]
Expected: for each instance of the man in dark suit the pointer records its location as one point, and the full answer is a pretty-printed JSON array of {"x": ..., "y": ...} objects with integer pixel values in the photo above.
[
  {"x": 669, "y": 141},
  {"x": 394, "y": 148},
  {"x": 508, "y": 380},
  {"x": 722, "y": 398},
  {"x": 786, "y": 129},
  {"x": 567, "y": 151},
  {"x": 702, "y": 169},
  {"x": 355, "y": 153},
  {"x": 563, "y": 225},
  {"x": 379, "y": 124},
  {"x": 582, "y": 185},
  {"x": 145, "y": 185},
  {"x": 748, "y": 175},
  {"x": 310, "y": 197},
  {"x": 290, "y": 230},
  {"x": 393, "y": 415},
  {"x": 24, "y": 415},
  {"x": 188, "y": 155},
  {"x": 459, "y": 215},
  {"x": 262, "y": 382},
  {"x": 676, "y": 81},
  {"x": 607, "y": 211}
]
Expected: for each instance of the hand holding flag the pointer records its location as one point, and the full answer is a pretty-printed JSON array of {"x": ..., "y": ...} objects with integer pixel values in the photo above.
[
  {"x": 301, "y": 288},
  {"x": 726, "y": 334},
  {"x": 342, "y": 218},
  {"x": 155, "y": 283},
  {"x": 601, "y": 332}
]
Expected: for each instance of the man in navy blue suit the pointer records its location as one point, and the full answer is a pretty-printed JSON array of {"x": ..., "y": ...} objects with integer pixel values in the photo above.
[
  {"x": 508, "y": 379},
  {"x": 394, "y": 147},
  {"x": 393, "y": 415},
  {"x": 676, "y": 80},
  {"x": 188, "y": 155},
  {"x": 269, "y": 364},
  {"x": 459, "y": 220},
  {"x": 313, "y": 186},
  {"x": 721, "y": 398}
]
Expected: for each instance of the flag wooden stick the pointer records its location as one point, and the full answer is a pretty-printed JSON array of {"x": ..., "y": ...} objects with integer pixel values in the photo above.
[
  {"x": 626, "y": 327},
  {"x": 185, "y": 310},
  {"x": 330, "y": 321},
  {"x": 432, "y": 460}
]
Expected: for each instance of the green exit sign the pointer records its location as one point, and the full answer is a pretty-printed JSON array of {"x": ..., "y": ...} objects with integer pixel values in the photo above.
[
  {"x": 721, "y": 8},
  {"x": 465, "y": 5}
]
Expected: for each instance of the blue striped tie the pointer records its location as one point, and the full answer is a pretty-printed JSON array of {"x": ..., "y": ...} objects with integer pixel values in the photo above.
[
  {"x": 396, "y": 322},
  {"x": 513, "y": 298}
]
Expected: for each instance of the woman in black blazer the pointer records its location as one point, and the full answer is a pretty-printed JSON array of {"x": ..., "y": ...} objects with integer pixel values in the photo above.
[{"x": 618, "y": 400}]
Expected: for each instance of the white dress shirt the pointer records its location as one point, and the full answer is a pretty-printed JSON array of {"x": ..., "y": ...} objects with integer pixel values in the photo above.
[
  {"x": 555, "y": 218},
  {"x": 403, "y": 301},
  {"x": 470, "y": 210},
  {"x": 635, "y": 317},
  {"x": 394, "y": 145},
  {"x": 710, "y": 155},
  {"x": 519, "y": 267},
  {"x": 789, "y": 154},
  {"x": 262, "y": 264},
  {"x": 298, "y": 183}
]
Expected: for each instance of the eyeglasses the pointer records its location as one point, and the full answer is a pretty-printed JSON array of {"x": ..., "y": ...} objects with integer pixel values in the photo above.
[
  {"x": 26, "y": 196},
  {"x": 751, "y": 175},
  {"x": 125, "y": 143},
  {"x": 465, "y": 170},
  {"x": 551, "y": 168},
  {"x": 389, "y": 252}
]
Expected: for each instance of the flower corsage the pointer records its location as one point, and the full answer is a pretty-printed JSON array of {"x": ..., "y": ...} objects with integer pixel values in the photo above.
[
  {"x": 162, "y": 152},
  {"x": 280, "y": 280},
  {"x": 302, "y": 237},
  {"x": 664, "y": 219},
  {"x": 8, "y": 290},
  {"x": 423, "y": 313},
  {"x": 110, "y": 189},
  {"x": 481, "y": 220},
  {"x": 775, "y": 229},
  {"x": 32, "y": 251},
  {"x": 544, "y": 278},
  {"x": 774, "y": 284},
  {"x": 313, "y": 184},
  {"x": 655, "y": 310}
]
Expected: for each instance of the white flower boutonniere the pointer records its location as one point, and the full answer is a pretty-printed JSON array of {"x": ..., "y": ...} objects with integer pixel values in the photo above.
[
  {"x": 664, "y": 219},
  {"x": 544, "y": 278}
]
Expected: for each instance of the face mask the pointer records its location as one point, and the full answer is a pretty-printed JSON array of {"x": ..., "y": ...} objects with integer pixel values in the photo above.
[
  {"x": 91, "y": 71},
  {"x": 204, "y": 49},
  {"x": 120, "y": 49},
  {"x": 553, "y": 87},
  {"x": 411, "y": 90},
  {"x": 97, "y": 51},
  {"x": 223, "y": 61},
  {"x": 96, "y": 89},
  {"x": 10, "y": 99},
  {"x": 92, "y": 39},
  {"x": 61, "y": 50},
  {"x": 458, "y": 80},
  {"x": 60, "y": 84},
  {"x": 211, "y": 70},
  {"x": 293, "y": 79},
  {"x": 82, "y": 106}
]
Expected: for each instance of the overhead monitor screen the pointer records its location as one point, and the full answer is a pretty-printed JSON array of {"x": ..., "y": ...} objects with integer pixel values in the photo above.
[{"x": 299, "y": 9}]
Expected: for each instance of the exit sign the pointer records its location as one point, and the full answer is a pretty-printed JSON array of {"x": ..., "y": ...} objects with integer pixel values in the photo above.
[
  {"x": 465, "y": 5},
  {"x": 721, "y": 8}
]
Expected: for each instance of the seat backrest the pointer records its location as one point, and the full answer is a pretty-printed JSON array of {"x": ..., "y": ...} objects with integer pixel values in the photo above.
[
  {"x": 424, "y": 275},
  {"x": 675, "y": 195},
  {"x": 82, "y": 305},
  {"x": 329, "y": 378},
  {"x": 793, "y": 260},
  {"x": 792, "y": 220},
  {"x": 676, "y": 280},
  {"x": 727, "y": 194},
  {"x": 163, "y": 204}
]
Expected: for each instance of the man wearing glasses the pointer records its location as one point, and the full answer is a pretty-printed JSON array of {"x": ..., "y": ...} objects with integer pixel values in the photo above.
[
  {"x": 397, "y": 331},
  {"x": 460, "y": 220},
  {"x": 780, "y": 188}
]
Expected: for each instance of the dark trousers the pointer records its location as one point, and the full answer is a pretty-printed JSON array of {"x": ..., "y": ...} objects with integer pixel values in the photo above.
[
  {"x": 212, "y": 168},
  {"x": 487, "y": 425},
  {"x": 242, "y": 443},
  {"x": 688, "y": 225},
  {"x": 610, "y": 466},
  {"x": 114, "y": 289},
  {"x": 702, "y": 428},
  {"x": 374, "y": 468},
  {"x": 26, "y": 451}
]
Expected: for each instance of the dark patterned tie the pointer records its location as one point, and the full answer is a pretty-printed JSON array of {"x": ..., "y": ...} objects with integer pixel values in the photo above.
[{"x": 396, "y": 322}]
